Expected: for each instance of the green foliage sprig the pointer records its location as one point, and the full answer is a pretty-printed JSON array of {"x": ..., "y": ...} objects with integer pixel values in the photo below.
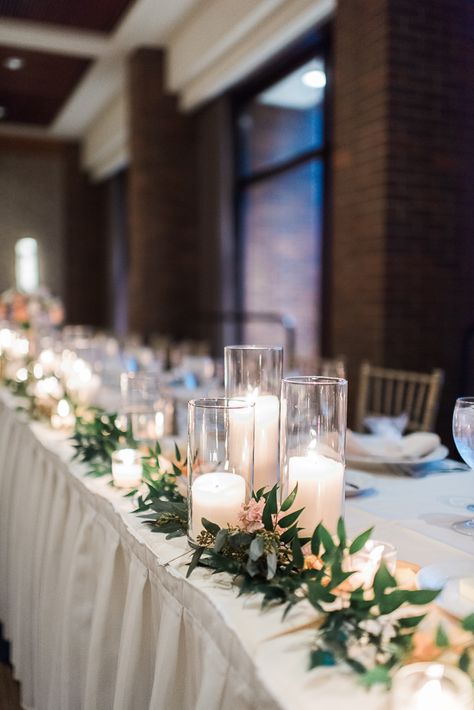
[
  {"x": 96, "y": 436},
  {"x": 371, "y": 630},
  {"x": 161, "y": 488}
]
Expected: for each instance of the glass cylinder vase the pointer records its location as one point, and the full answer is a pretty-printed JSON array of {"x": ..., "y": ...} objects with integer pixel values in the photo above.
[
  {"x": 432, "y": 686},
  {"x": 313, "y": 432},
  {"x": 255, "y": 373},
  {"x": 149, "y": 414},
  {"x": 220, "y": 461}
]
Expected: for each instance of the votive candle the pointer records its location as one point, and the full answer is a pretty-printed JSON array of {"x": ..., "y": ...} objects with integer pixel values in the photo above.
[{"x": 126, "y": 468}]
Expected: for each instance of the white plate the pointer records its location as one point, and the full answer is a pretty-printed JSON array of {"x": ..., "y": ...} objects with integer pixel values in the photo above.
[
  {"x": 440, "y": 453},
  {"x": 447, "y": 575}
]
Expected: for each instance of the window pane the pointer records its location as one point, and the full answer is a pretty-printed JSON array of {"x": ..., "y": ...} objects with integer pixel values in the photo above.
[
  {"x": 26, "y": 264},
  {"x": 282, "y": 222},
  {"x": 283, "y": 121}
]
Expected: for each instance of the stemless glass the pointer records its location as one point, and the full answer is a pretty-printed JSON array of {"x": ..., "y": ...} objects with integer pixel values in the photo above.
[
  {"x": 313, "y": 433},
  {"x": 220, "y": 461},
  {"x": 463, "y": 434}
]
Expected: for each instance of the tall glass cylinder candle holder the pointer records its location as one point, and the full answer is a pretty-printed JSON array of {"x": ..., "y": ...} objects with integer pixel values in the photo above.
[
  {"x": 431, "y": 686},
  {"x": 255, "y": 373},
  {"x": 220, "y": 461},
  {"x": 313, "y": 433}
]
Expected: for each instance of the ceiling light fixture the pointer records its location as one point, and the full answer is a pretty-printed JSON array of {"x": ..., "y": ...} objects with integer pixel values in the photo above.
[
  {"x": 314, "y": 78},
  {"x": 13, "y": 63}
]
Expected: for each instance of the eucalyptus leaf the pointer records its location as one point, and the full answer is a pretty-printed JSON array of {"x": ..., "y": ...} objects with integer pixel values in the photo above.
[
  {"x": 271, "y": 565},
  {"x": 221, "y": 539},
  {"x": 195, "y": 560},
  {"x": 270, "y": 508},
  {"x": 360, "y": 541},
  {"x": 290, "y": 519},
  {"x": 256, "y": 548},
  {"x": 441, "y": 639},
  {"x": 298, "y": 558},
  {"x": 320, "y": 657},
  {"x": 210, "y": 527},
  {"x": 468, "y": 623},
  {"x": 341, "y": 532},
  {"x": 288, "y": 502}
]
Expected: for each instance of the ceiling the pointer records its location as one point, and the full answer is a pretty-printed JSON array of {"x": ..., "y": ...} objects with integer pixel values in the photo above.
[
  {"x": 68, "y": 56},
  {"x": 69, "y": 74},
  {"x": 98, "y": 15},
  {"x": 34, "y": 93}
]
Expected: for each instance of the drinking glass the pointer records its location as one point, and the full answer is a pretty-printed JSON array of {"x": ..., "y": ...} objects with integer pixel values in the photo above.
[{"x": 463, "y": 434}]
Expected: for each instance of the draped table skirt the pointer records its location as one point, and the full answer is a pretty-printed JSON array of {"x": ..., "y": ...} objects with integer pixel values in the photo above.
[{"x": 100, "y": 615}]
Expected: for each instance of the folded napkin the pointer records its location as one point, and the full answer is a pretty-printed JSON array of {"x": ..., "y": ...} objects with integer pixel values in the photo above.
[
  {"x": 411, "y": 446},
  {"x": 388, "y": 427}
]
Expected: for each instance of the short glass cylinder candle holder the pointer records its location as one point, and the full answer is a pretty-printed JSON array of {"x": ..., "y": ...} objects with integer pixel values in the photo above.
[
  {"x": 149, "y": 414},
  {"x": 366, "y": 563},
  {"x": 220, "y": 461},
  {"x": 127, "y": 468},
  {"x": 255, "y": 373},
  {"x": 312, "y": 441},
  {"x": 431, "y": 686}
]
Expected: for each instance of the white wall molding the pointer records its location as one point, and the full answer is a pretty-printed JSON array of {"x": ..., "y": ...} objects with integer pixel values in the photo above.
[
  {"x": 281, "y": 27},
  {"x": 105, "y": 145},
  {"x": 38, "y": 37}
]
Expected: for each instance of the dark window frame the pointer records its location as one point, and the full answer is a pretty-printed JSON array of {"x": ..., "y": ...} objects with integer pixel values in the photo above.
[{"x": 316, "y": 42}]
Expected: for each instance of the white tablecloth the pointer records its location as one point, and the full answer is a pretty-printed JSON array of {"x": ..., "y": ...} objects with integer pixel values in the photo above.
[{"x": 100, "y": 614}]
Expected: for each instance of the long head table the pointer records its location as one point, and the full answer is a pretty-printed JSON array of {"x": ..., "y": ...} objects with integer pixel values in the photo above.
[{"x": 100, "y": 614}]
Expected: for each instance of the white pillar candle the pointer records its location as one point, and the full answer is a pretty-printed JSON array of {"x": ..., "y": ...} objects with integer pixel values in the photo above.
[
  {"x": 267, "y": 416},
  {"x": 320, "y": 490},
  {"x": 217, "y": 497},
  {"x": 126, "y": 468}
]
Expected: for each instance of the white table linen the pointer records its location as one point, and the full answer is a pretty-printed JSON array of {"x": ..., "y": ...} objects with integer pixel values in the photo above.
[{"x": 100, "y": 614}]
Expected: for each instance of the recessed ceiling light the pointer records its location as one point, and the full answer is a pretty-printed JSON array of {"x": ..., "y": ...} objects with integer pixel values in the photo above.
[
  {"x": 13, "y": 63},
  {"x": 3, "y": 112},
  {"x": 315, "y": 78}
]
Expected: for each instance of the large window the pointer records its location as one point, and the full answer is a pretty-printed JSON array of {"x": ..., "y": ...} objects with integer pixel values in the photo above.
[{"x": 280, "y": 194}]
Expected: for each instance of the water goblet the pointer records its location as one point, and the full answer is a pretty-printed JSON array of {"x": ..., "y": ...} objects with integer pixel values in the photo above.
[{"x": 463, "y": 434}]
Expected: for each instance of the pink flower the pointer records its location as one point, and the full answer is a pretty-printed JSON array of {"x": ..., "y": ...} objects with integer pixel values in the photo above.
[{"x": 250, "y": 516}]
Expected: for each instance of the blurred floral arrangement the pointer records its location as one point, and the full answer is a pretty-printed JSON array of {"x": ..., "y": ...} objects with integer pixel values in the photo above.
[{"x": 31, "y": 310}]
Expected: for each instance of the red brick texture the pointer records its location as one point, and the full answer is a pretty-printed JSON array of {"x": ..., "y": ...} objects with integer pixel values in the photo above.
[
  {"x": 403, "y": 244},
  {"x": 161, "y": 198}
]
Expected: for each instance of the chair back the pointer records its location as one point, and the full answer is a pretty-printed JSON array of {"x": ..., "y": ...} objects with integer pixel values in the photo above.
[{"x": 389, "y": 392}]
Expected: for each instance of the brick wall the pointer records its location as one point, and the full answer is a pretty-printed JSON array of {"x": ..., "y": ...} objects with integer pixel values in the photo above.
[
  {"x": 45, "y": 195},
  {"x": 163, "y": 275},
  {"x": 403, "y": 252}
]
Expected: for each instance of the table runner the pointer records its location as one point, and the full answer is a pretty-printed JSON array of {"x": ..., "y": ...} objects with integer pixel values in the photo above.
[{"x": 100, "y": 614}]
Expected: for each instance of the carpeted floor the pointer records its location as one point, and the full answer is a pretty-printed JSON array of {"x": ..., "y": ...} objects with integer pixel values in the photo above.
[{"x": 9, "y": 689}]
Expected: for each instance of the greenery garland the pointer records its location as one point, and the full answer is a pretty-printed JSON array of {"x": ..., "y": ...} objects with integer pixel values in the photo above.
[
  {"x": 97, "y": 434},
  {"x": 370, "y": 630}
]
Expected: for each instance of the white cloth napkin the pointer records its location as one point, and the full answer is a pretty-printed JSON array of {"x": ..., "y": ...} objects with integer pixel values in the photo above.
[{"x": 411, "y": 446}]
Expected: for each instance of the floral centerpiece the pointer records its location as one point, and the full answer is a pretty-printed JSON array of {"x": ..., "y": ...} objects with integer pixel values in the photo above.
[{"x": 38, "y": 309}]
